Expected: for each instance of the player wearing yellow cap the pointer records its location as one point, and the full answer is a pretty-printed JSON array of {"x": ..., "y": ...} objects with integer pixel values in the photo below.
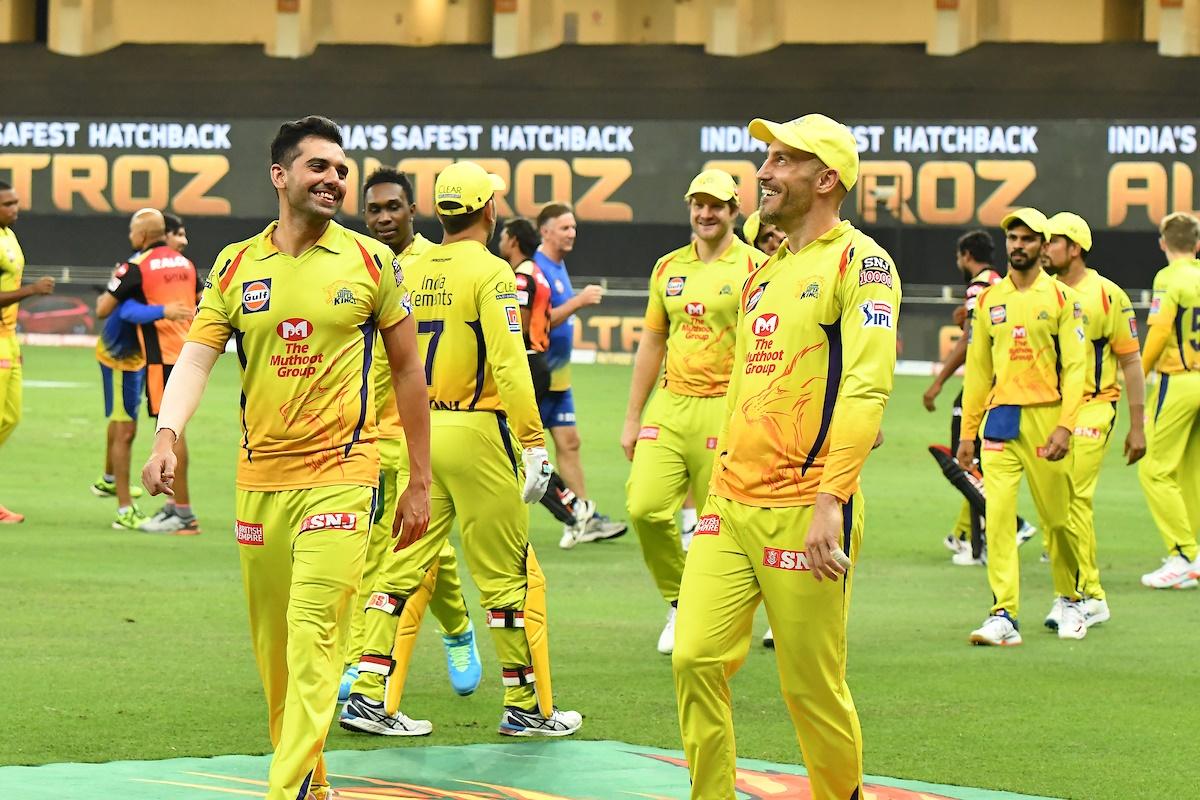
[
  {"x": 761, "y": 235},
  {"x": 812, "y": 370},
  {"x": 12, "y": 267},
  {"x": 1025, "y": 368},
  {"x": 483, "y": 413},
  {"x": 1169, "y": 471},
  {"x": 303, "y": 301},
  {"x": 1112, "y": 346},
  {"x": 388, "y": 210},
  {"x": 689, "y": 325}
]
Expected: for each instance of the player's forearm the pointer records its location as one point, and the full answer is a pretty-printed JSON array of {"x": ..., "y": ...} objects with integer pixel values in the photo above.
[
  {"x": 852, "y": 432},
  {"x": 955, "y": 359},
  {"x": 1135, "y": 389},
  {"x": 181, "y": 397},
  {"x": 412, "y": 401},
  {"x": 560, "y": 314},
  {"x": 1156, "y": 341},
  {"x": 647, "y": 364},
  {"x": 16, "y": 295},
  {"x": 515, "y": 386}
]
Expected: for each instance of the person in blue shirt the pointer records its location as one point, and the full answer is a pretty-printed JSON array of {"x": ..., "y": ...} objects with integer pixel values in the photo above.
[{"x": 556, "y": 224}]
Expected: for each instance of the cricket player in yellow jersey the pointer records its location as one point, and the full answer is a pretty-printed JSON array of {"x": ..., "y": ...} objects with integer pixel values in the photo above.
[
  {"x": 1025, "y": 369},
  {"x": 388, "y": 209},
  {"x": 1112, "y": 346},
  {"x": 812, "y": 370},
  {"x": 1169, "y": 471},
  {"x": 761, "y": 236},
  {"x": 303, "y": 301},
  {"x": 690, "y": 319},
  {"x": 482, "y": 413},
  {"x": 12, "y": 267}
]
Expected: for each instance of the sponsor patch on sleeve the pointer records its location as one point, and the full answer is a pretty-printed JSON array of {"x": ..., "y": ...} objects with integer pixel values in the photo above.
[
  {"x": 875, "y": 270},
  {"x": 397, "y": 272},
  {"x": 514, "y": 319},
  {"x": 711, "y": 443},
  {"x": 1156, "y": 304},
  {"x": 1133, "y": 327},
  {"x": 877, "y": 314}
]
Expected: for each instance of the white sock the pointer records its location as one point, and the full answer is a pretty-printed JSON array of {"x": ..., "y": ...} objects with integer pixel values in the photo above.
[
  {"x": 687, "y": 518},
  {"x": 123, "y": 509}
]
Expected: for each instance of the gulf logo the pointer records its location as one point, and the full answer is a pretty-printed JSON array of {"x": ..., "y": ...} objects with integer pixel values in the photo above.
[
  {"x": 256, "y": 296},
  {"x": 675, "y": 286}
]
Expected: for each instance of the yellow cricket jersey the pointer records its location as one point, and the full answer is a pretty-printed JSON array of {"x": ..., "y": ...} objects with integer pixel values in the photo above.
[
  {"x": 304, "y": 330},
  {"x": 469, "y": 332},
  {"x": 1025, "y": 349},
  {"x": 696, "y": 304},
  {"x": 1178, "y": 310},
  {"x": 12, "y": 267},
  {"x": 1111, "y": 330},
  {"x": 812, "y": 371},
  {"x": 1174, "y": 304},
  {"x": 385, "y": 398}
]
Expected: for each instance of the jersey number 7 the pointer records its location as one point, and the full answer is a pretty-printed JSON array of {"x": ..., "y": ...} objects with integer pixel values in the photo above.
[{"x": 436, "y": 328}]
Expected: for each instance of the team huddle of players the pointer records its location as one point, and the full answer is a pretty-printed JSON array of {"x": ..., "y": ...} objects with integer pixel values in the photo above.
[{"x": 1043, "y": 347}]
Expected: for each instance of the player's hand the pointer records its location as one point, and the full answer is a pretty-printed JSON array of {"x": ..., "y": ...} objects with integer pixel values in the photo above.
[
  {"x": 824, "y": 539},
  {"x": 412, "y": 515},
  {"x": 1135, "y": 445},
  {"x": 930, "y": 396},
  {"x": 178, "y": 310},
  {"x": 960, "y": 316},
  {"x": 591, "y": 295},
  {"x": 629, "y": 436},
  {"x": 878, "y": 440},
  {"x": 537, "y": 473},
  {"x": 966, "y": 454},
  {"x": 158, "y": 476},
  {"x": 43, "y": 286},
  {"x": 1058, "y": 445}
]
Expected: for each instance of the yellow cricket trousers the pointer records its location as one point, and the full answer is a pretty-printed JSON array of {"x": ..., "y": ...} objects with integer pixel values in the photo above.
[
  {"x": 1093, "y": 428},
  {"x": 10, "y": 386},
  {"x": 1169, "y": 471},
  {"x": 1050, "y": 485},
  {"x": 674, "y": 453},
  {"x": 739, "y": 555},
  {"x": 302, "y": 555}
]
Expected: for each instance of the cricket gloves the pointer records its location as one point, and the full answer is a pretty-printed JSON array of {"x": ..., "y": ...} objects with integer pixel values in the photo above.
[{"x": 537, "y": 473}]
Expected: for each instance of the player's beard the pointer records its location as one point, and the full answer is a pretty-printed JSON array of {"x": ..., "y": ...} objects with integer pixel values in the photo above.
[{"x": 1025, "y": 265}]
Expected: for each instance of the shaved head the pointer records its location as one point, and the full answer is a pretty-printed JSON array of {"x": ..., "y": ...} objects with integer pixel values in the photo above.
[{"x": 145, "y": 227}]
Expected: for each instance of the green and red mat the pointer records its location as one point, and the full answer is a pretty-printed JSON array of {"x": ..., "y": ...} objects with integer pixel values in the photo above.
[{"x": 562, "y": 770}]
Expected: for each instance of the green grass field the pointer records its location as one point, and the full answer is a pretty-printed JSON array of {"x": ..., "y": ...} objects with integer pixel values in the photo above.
[{"x": 131, "y": 646}]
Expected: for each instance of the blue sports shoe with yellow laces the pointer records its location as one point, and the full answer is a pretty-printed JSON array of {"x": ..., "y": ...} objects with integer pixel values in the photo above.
[{"x": 462, "y": 661}]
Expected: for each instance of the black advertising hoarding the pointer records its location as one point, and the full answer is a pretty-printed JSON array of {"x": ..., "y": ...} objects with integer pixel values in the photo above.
[{"x": 1121, "y": 175}]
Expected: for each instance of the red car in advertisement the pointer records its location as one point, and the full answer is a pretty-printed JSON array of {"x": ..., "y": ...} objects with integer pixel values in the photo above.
[{"x": 55, "y": 314}]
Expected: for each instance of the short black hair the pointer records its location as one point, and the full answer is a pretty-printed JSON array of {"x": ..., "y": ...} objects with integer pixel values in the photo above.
[
  {"x": 457, "y": 223},
  {"x": 522, "y": 232},
  {"x": 978, "y": 244},
  {"x": 173, "y": 222},
  {"x": 286, "y": 144},
  {"x": 389, "y": 175},
  {"x": 553, "y": 211},
  {"x": 5, "y": 186}
]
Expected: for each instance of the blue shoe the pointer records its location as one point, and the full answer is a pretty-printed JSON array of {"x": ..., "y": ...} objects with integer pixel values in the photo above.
[
  {"x": 462, "y": 661},
  {"x": 348, "y": 679}
]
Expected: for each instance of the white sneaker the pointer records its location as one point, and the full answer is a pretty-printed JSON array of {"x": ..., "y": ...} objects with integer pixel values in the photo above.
[
  {"x": 1095, "y": 611},
  {"x": 1044, "y": 558},
  {"x": 997, "y": 631},
  {"x": 685, "y": 537},
  {"x": 519, "y": 722},
  {"x": 1072, "y": 625},
  {"x": 1054, "y": 618},
  {"x": 963, "y": 558},
  {"x": 162, "y": 522},
  {"x": 666, "y": 639},
  {"x": 1025, "y": 533},
  {"x": 364, "y": 715},
  {"x": 584, "y": 509},
  {"x": 956, "y": 544},
  {"x": 769, "y": 639},
  {"x": 1175, "y": 573}
]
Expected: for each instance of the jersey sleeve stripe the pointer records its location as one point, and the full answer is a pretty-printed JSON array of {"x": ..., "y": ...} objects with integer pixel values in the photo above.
[
  {"x": 845, "y": 262},
  {"x": 372, "y": 270},
  {"x": 231, "y": 268}
]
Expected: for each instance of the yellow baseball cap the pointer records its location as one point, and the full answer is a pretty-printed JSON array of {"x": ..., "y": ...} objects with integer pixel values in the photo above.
[
  {"x": 827, "y": 139},
  {"x": 716, "y": 182},
  {"x": 1035, "y": 219},
  {"x": 751, "y": 227},
  {"x": 464, "y": 187},
  {"x": 1072, "y": 226}
]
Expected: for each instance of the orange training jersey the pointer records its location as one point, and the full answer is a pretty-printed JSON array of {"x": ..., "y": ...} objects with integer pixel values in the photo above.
[
  {"x": 533, "y": 294},
  {"x": 812, "y": 371},
  {"x": 1025, "y": 348},
  {"x": 1177, "y": 276},
  {"x": 1111, "y": 331},
  {"x": 469, "y": 333},
  {"x": 12, "y": 268},
  {"x": 157, "y": 276},
  {"x": 304, "y": 330},
  {"x": 695, "y": 305},
  {"x": 385, "y": 398}
]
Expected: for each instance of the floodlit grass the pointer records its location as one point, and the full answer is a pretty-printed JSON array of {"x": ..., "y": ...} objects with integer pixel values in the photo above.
[{"x": 130, "y": 646}]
